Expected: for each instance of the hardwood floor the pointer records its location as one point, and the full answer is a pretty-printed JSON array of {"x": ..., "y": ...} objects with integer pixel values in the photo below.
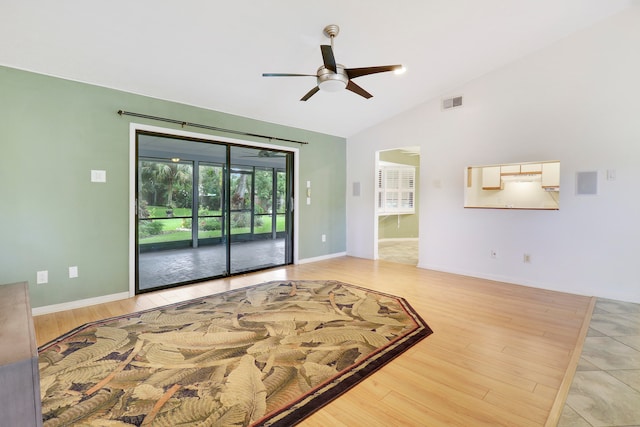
[{"x": 500, "y": 354}]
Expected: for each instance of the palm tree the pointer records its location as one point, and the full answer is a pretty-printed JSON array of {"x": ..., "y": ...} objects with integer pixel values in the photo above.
[{"x": 164, "y": 174}]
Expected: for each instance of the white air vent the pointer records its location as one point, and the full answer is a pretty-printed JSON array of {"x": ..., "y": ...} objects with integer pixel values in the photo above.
[{"x": 454, "y": 102}]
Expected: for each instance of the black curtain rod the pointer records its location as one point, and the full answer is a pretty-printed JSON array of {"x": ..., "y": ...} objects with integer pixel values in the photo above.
[{"x": 196, "y": 125}]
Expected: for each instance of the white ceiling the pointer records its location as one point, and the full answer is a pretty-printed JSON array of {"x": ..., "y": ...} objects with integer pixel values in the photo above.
[{"x": 212, "y": 53}]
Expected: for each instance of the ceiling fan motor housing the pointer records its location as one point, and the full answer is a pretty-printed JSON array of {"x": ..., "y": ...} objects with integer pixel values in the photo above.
[{"x": 330, "y": 81}]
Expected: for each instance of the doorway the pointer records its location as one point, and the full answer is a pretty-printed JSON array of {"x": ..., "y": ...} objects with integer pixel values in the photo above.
[
  {"x": 209, "y": 209},
  {"x": 397, "y": 205}
]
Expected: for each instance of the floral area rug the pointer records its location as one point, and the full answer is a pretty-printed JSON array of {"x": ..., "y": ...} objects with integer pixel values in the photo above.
[{"x": 266, "y": 355}]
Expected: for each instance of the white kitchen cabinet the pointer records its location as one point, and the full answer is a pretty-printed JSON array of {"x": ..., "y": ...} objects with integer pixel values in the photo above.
[
  {"x": 531, "y": 168},
  {"x": 551, "y": 175},
  {"x": 491, "y": 178},
  {"x": 510, "y": 169}
]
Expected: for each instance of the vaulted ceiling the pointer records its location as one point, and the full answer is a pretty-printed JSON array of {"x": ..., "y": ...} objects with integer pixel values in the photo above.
[{"x": 212, "y": 53}]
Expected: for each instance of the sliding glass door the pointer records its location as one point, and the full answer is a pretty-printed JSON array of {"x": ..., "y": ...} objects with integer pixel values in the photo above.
[
  {"x": 209, "y": 210},
  {"x": 258, "y": 233}
]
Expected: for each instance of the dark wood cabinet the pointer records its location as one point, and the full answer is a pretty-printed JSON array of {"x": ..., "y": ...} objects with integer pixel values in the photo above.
[{"x": 19, "y": 375}]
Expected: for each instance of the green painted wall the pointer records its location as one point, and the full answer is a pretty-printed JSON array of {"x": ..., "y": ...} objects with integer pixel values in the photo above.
[
  {"x": 53, "y": 132},
  {"x": 401, "y": 226}
]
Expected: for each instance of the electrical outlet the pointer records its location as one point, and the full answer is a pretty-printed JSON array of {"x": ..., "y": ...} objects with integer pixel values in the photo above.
[
  {"x": 324, "y": 238},
  {"x": 526, "y": 258},
  {"x": 493, "y": 254},
  {"x": 42, "y": 277}
]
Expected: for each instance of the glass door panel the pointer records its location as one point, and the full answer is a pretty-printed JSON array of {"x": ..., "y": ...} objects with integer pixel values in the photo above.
[
  {"x": 179, "y": 221},
  {"x": 164, "y": 203},
  {"x": 240, "y": 190},
  {"x": 282, "y": 192},
  {"x": 263, "y": 200},
  {"x": 210, "y": 204},
  {"x": 254, "y": 243}
]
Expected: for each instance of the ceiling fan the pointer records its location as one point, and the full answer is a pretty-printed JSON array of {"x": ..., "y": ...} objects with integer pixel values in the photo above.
[{"x": 332, "y": 76}]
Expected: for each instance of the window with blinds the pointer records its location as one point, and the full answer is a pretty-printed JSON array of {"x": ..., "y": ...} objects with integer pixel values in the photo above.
[{"x": 396, "y": 189}]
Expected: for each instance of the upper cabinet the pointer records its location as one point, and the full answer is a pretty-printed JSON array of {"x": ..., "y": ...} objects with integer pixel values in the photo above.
[
  {"x": 551, "y": 175},
  {"x": 491, "y": 178},
  {"x": 530, "y": 185},
  {"x": 531, "y": 168},
  {"x": 509, "y": 169}
]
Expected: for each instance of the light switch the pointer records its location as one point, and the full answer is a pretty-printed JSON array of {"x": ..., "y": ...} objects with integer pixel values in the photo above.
[
  {"x": 42, "y": 277},
  {"x": 98, "y": 176},
  {"x": 73, "y": 272}
]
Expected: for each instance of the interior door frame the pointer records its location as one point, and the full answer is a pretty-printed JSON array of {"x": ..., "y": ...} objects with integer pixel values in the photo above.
[
  {"x": 135, "y": 127},
  {"x": 376, "y": 232}
]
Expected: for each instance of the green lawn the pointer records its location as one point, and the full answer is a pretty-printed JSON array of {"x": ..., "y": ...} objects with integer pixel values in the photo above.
[{"x": 173, "y": 228}]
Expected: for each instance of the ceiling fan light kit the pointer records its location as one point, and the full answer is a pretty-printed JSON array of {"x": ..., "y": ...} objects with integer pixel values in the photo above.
[
  {"x": 333, "y": 77},
  {"x": 332, "y": 81}
]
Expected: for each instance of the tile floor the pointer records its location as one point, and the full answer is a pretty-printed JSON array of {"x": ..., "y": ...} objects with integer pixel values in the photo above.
[
  {"x": 402, "y": 251},
  {"x": 163, "y": 268},
  {"x": 606, "y": 387}
]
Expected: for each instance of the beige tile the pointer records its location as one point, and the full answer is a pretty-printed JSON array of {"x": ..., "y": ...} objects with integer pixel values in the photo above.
[
  {"x": 607, "y": 398},
  {"x": 593, "y": 333},
  {"x": 632, "y": 341},
  {"x": 613, "y": 306},
  {"x": 616, "y": 324},
  {"x": 607, "y": 353},
  {"x": 571, "y": 418},
  {"x": 603, "y": 400},
  {"x": 630, "y": 377},
  {"x": 585, "y": 365},
  {"x": 400, "y": 251}
]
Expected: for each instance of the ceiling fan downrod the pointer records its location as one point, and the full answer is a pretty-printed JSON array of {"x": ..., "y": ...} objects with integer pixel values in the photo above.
[{"x": 331, "y": 31}]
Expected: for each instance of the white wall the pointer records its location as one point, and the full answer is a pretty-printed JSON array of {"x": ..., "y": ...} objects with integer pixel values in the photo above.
[{"x": 577, "y": 101}]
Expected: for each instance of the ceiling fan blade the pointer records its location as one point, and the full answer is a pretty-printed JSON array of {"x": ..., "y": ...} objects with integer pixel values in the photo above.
[
  {"x": 359, "y": 72},
  {"x": 357, "y": 89},
  {"x": 286, "y": 75},
  {"x": 328, "y": 58},
  {"x": 310, "y": 93}
]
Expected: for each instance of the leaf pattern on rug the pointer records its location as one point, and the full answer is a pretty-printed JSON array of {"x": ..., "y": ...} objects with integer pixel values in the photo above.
[{"x": 231, "y": 359}]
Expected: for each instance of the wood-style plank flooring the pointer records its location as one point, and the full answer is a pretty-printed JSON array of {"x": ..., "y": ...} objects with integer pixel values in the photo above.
[{"x": 498, "y": 356}]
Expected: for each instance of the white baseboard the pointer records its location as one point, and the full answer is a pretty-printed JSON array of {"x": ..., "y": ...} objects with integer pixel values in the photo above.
[
  {"x": 399, "y": 239},
  {"x": 502, "y": 278},
  {"x": 321, "y": 258},
  {"x": 494, "y": 277},
  {"x": 54, "y": 308}
]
